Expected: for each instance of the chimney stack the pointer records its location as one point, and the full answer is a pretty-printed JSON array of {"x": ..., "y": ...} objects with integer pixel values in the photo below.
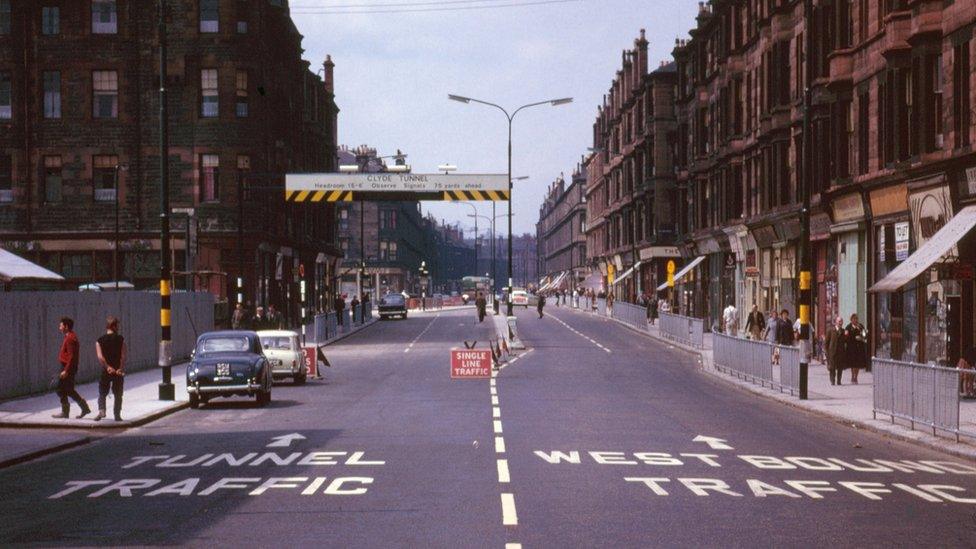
[{"x": 328, "y": 75}]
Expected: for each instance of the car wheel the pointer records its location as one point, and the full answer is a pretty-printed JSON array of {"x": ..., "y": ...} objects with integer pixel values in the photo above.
[
  {"x": 301, "y": 379},
  {"x": 194, "y": 401},
  {"x": 264, "y": 398}
]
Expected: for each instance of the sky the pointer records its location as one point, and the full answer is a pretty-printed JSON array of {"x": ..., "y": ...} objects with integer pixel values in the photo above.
[{"x": 393, "y": 72}]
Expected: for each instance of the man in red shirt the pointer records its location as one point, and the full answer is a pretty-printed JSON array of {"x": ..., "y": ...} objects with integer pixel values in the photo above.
[{"x": 68, "y": 357}]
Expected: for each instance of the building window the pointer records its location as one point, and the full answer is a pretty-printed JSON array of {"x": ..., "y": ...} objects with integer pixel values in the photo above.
[
  {"x": 208, "y": 93},
  {"x": 50, "y": 20},
  {"x": 388, "y": 250},
  {"x": 104, "y": 177},
  {"x": 6, "y": 103},
  {"x": 863, "y": 131},
  {"x": 52, "y": 179},
  {"x": 242, "y": 12},
  {"x": 344, "y": 219},
  {"x": 241, "y": 93},
  {"x": 104, "y": 17},
  {"x": 961, "y": 108},
  {"x": 242, "y": 27},
  {"x": 52, "y": 94},
  {"x": 105, "y": 94},
  {"x": 209, "y": 15},
  {"x": 388, "y": 219},
  {"x": 4, "y": 16},
  {"x": 209, "y": 178},
  {"x": 6, "y": 178}
]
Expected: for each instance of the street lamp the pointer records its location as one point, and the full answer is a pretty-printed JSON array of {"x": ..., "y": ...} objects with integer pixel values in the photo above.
[
  {"x": 510, "y": 118},
  {"x": 633, "y": 223},
  {"x": 115, "y": 248}
]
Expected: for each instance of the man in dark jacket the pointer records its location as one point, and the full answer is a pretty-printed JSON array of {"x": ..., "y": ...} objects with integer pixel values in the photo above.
[
  {"x": 482, "y": 305},
  {"x": 541, "y": 304},
  {"x": 784, "y": 329},
  {"x": 834, "y": 343},
  {"x": 68, "y": 357},
  {"x": 340, "y": 306}
]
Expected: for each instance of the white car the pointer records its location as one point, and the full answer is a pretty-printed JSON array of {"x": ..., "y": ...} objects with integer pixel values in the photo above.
[
  {"x": 285, "y": 355},
  {"x": 520, "y": 297}
]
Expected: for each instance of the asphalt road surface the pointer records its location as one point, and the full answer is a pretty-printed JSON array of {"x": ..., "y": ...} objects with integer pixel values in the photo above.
[{"x": 595, "y": 437}]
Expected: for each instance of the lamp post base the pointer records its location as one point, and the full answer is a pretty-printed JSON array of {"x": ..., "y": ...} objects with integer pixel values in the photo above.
[{"x": 167, "y": 391}]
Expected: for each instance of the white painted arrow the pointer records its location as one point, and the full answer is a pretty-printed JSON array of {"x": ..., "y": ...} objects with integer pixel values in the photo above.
[
  {"x": 713, "y": 443},
  {"x": 285, "y": 441}
]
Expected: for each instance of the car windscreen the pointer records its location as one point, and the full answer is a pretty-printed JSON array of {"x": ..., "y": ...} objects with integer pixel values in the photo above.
[
  {"x": 278, "y": 343},
  {"x": 224, "y": 344},
  {"x": 392, "y": 299}
]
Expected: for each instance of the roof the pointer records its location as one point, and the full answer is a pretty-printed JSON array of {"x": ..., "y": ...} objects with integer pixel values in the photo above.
[
  {"x": 667, "y": 67},
  {"x": 13, "y": 267},
  {"x": 224, "y": 333},
  {"x": 277, "y": 333}
]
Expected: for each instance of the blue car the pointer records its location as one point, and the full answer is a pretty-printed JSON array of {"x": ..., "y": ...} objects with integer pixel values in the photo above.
[{"x": 228, "y": 363}]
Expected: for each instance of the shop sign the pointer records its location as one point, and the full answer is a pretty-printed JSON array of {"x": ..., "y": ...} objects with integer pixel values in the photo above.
[
  {"x": 849, "y": 207},
  {"x": 765, "y": 236},
  {"x": 659, "y": 251},
  {"x": 890, "y": 200},
  {"x": 901, "y": 241},
  {"x": 788, "y": 229},
  {"x": 930, "y": 209},
  {"x": 819, "y": 226}
]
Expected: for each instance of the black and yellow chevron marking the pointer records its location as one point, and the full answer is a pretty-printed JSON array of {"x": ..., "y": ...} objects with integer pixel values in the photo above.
[
  {"x": 494, "y": 196},
  {"x": 318, "y": 196}
]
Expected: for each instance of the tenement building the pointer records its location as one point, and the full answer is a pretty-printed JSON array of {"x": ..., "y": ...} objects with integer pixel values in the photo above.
[
  {"x": 893, "y": 179},
  {"x": 559, "y": 234},
  {"x": 630, "y": 194},
  {"x": 80, "y": 147}
]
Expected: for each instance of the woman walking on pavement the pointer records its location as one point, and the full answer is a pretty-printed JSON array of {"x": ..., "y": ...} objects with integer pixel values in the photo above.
[
  {"x": 68, "y": 357},
  {"x": 855, "y": 340},
  {"x": 541, "y": 304},
  {"x": 111, "y": 352}
]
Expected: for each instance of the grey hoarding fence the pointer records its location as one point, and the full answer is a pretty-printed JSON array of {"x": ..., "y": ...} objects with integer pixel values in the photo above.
[
  {"x": 29, "y": 337},
  {"x": 756, "y": 361},
  {"x": 601, "y": 307},
  {"x": 683, "y": 329},
  {"x": 634, "y": 315},
  {"x": 919, "y": 393}
]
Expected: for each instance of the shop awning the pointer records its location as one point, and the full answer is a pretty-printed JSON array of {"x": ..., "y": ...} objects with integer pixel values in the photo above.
[
  {"x": 684, "y": 270},
  {"x": 13, "y": 267},
  {"x": 930, "y": 252},
  {"x": 626, "y": 273}
]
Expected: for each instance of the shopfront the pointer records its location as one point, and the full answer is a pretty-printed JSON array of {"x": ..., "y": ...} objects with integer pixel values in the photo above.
[
  {"x": 825, "y": 275},
  {"x": 760, "y": 268},
  {"x": 891, "y": 336},
  {"x": 931, "y": 284},
  {"x": 850, "y": 245}
]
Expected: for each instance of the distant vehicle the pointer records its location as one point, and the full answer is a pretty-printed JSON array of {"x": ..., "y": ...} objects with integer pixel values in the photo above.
[
  {"x": 228, "y": 363},
  {"x": 392, "y": 305},
  {"x": 284, "y": 354},
  {"x": 471, "y": 285},
  {"x": 106, "y": 286},
  {"x": 520, "y": 297}
]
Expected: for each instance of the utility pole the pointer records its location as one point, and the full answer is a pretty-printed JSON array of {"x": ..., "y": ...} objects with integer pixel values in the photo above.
[
  {"x": 166, "y": 389},
  {"x": 240, "y": 237},
  {"x": 805, "y": 187}
]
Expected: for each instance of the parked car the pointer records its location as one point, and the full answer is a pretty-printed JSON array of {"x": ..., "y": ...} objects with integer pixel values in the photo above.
[
  {"x": 392, "y": 305},
  {"x": 285, "y": 355},
  {"x": 520, "y": 297},
  {"x": 228, "y": 363}
]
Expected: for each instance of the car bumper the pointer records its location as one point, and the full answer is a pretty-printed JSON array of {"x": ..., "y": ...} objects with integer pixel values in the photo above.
[
  {"x": 247, "y": 388},
  {"x": 286, "y": 372}
]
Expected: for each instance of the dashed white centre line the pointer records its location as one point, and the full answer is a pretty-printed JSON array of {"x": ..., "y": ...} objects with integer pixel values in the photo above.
[
  {"x": 581, "y": 334},
  {"x": 503, "y": 475},
  {"x": 509, "y": 515},
  {"x": 513, "y": 546},
  {"x": 498, "y": 425},
  {"x": 499, "y": 445},
  {"x": 496, "y": 411},
  {"x": 421, "y": 334},
  {"x": 494, "y": 399}
]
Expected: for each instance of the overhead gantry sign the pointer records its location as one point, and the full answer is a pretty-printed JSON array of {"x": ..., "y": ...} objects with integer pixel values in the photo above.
[{"x": 347, "y": 187}]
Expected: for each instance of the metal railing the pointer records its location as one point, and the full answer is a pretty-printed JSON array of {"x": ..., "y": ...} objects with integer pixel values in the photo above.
[
  {"x": 756, "y": 361},
  {"x": 631, "y": 314},
  {"x": 683, "y": 329},
  {"x": 919, "y": 393}
]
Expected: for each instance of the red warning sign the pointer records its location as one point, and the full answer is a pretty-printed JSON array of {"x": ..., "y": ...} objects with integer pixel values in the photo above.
[{"x": 471, "y": 364}]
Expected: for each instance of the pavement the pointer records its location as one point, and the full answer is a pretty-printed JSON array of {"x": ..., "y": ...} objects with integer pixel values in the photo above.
[
  {"x": 141, "y": 405},
  {"x": 847, "y": 403},
  {"x": 590, "y": 437}
]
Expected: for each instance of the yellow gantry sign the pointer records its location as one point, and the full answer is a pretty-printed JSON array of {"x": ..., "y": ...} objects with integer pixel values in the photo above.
[
  {"x": 494, "y": 196},
  {"x": 318, "y": 196},
  {"x": 347, "y": 187}
]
